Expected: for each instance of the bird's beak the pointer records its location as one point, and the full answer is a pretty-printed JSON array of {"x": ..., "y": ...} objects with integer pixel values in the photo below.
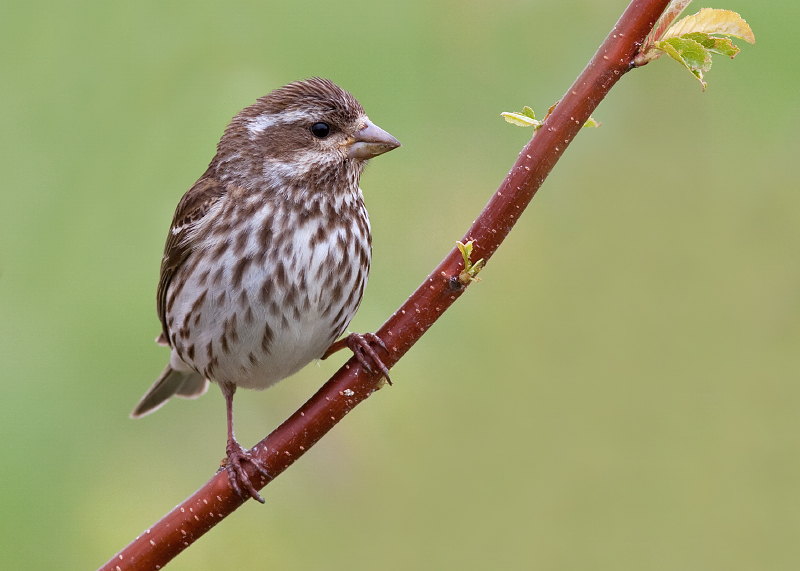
[{"x": 369, "y": 142}]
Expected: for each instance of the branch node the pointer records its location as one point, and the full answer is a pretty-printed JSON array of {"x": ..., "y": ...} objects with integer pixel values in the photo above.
[
  {"x": 470, "y": 271},
  {"x": 455, "y": 283}
]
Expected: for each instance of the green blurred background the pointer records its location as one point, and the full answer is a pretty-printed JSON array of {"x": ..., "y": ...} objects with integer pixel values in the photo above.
[{"x": 619, "y": 392}]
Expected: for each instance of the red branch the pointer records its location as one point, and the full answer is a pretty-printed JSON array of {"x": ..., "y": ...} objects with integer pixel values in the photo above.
[{"x": 351, "y": 384}]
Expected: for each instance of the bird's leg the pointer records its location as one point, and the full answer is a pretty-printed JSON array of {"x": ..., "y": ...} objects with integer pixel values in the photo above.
[
  {"x": 236, "y": 454},
  {"x": 360, "y": 346}
]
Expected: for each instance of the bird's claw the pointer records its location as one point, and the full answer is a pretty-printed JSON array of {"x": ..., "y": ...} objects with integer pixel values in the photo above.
[
  {"x": 237, "y": 476},
  {"x": 360, "y": 345}
]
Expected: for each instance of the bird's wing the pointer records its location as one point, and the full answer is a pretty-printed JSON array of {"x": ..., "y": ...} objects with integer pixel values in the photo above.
[{"x": 194, "y": 205}]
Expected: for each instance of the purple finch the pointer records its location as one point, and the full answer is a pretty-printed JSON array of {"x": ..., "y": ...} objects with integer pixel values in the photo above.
[{"x": 268, "y": 254}]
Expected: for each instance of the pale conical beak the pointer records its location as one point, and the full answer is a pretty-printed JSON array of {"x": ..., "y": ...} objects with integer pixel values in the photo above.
[{"x": 371, "y": 141}]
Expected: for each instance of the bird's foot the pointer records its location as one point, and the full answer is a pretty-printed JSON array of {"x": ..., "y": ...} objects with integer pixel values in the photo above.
[
  {"x": 237, "y": 476},
  {"x": 360, "y": 346}
]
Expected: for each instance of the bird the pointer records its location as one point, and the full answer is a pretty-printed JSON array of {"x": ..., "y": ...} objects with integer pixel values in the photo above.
[{"x": 268, "y": 253}]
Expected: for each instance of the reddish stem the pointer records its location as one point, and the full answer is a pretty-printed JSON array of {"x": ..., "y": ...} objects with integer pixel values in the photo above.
[{"x": 352, "y": 384}]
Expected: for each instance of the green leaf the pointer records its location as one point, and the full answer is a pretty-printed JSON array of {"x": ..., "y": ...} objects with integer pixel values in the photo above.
[
  {"x": 591, "y": 122},
  {"x": 724, "y": 46},
  {"x": 703, "y": 39},
  {"x": 526, "y": 118},
  {"x": 521, "y": 120},
  {"x": 466, "y": 251},
  {"x": 692, "y": 40},
  {"x": 712, "y": 21},
  {"x": 693, "y": 53},
  {"x": 690, "y": 54},
  {"x": 470, "y": 271}
]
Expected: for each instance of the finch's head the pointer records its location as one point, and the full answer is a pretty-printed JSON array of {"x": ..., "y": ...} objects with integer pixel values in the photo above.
[{"x": 307, "y": 130}]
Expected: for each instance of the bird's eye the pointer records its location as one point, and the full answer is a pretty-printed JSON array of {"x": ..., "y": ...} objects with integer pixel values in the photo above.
[{"x": 320, "y": 130}]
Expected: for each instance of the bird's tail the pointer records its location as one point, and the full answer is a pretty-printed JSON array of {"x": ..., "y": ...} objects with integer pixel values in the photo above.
[{"x": 171, "y": 382}]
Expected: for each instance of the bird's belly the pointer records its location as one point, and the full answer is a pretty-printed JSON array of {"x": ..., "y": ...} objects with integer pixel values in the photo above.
[
  {"x": 291, "y": 346},
  {"x": 257, "y": 318}
]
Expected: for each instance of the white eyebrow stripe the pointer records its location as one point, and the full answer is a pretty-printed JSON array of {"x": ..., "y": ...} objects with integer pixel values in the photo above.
[{"x": 263, "y": 122}]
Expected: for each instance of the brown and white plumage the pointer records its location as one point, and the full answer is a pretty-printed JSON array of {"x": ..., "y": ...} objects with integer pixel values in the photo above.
[{"x": 268, "y": 254}]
